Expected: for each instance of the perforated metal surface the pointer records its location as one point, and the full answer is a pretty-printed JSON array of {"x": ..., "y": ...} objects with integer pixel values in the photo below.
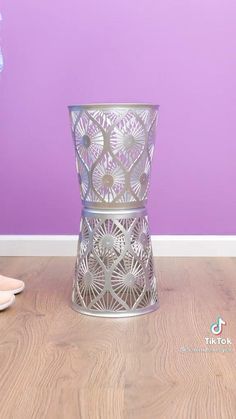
[
  {"x": 114, "y": 268},
  {"x": 114, "y": 147}
]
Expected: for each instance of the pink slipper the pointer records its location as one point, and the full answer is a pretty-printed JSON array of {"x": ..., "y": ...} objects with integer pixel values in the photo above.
[
  {"x": 10, "y": 284},
  {"x": 6, "y": 299}
]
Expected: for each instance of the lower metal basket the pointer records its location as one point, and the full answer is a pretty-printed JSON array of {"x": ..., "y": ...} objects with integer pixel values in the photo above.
[{"x": 114, "y": 274}]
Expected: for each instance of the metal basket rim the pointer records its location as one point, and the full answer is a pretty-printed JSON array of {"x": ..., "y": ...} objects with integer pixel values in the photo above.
[{"x": 113, "y": 105}]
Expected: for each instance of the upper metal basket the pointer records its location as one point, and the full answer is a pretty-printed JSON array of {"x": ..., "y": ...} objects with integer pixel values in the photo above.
[{"x": 114, "y": 146}]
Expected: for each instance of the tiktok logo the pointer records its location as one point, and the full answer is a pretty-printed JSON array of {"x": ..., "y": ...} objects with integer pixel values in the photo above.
[
  {"x": 216, "y": 328},
  {"x": 213, "y": 344}
]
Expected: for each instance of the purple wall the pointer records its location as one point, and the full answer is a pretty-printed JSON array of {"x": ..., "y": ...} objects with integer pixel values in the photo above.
[{"x": 180, "y": 54}]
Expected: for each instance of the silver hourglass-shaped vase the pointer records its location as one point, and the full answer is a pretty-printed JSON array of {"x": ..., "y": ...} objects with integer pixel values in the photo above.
[{"x": 114, "y": 273}]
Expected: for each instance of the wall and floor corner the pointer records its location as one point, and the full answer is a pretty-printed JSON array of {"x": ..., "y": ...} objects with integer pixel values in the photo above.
[{"x": 180, "y": 56}]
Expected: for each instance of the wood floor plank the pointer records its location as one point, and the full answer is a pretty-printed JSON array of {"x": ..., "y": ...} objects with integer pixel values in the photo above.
[{"x": 56, "y": 363}]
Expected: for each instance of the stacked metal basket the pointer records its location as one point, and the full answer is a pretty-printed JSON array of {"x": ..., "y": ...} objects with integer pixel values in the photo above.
[{"x": 114, "y": 269}]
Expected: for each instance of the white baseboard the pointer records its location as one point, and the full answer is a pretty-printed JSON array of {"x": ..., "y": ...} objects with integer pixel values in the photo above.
[{"x": 162, "y": 245}]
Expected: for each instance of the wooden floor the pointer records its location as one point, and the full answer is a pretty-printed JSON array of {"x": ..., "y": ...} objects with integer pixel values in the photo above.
[{"x": 56, "y": 363}]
